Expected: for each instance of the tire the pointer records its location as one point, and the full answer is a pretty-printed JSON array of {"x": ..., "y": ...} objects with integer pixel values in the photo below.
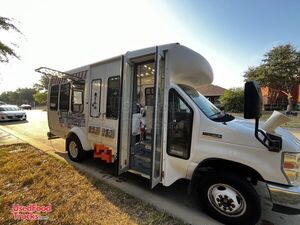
[
  {"x": 74, "y": 149},
  {"x": 229, "y": 198}
]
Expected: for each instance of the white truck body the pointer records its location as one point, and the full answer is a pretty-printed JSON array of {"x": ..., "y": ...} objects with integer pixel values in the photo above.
[{"x": 104, "y": 122}]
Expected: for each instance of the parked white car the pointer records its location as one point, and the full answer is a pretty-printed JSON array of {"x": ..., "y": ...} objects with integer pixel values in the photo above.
[{"x": 11, "y": 112}]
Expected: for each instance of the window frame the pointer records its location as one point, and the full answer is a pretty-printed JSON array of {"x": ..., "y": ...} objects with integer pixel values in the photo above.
[
  {"x": 57, "y": 98},
  {"x": 91, "y": 99},
  {"x": 68, "y": 109},
  {"x": 192, "y": 125},
  {"x": 107, "y": 98}
]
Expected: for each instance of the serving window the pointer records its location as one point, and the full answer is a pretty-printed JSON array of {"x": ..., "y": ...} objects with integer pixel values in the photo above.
[
  {"x": 54, "y": 90},
  {"x": 78, "y": 96},
  {"x": 64, "y": 98}
]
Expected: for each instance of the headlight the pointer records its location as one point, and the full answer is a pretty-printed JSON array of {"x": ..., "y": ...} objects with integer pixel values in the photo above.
[{"x": 291, "y": 167}]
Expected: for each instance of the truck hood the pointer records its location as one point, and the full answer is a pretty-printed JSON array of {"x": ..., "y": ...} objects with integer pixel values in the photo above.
[{"x": 241, "y": 132}]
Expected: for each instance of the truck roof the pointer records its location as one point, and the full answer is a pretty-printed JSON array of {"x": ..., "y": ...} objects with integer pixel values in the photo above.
[{"x": 185, "y": 65}]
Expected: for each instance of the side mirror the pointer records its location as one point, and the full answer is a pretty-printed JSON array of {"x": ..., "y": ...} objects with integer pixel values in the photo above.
[
  {"x": 253, "y": 102},
  {"x": 252, "y": 110}
]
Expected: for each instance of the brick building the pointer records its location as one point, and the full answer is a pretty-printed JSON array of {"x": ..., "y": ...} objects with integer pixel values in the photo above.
[{"x": 278, "y": 101}]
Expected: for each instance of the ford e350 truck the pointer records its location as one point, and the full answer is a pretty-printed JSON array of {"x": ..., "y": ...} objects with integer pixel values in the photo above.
[{"x": 141, "y": 111}]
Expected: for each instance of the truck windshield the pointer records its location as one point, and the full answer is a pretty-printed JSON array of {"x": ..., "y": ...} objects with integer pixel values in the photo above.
[{"x": 209, "y": 109}]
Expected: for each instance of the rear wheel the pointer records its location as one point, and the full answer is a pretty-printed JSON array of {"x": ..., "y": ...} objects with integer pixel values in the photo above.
[
  {"x": 229, "y": 198},
  {"x": 74, "y": 149}
]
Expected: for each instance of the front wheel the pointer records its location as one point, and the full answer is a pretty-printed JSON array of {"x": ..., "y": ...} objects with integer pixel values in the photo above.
[{"x": 229, "y": 198}]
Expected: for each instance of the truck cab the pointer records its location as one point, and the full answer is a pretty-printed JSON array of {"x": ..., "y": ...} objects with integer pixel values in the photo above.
[{"x": 141, "y": 111}]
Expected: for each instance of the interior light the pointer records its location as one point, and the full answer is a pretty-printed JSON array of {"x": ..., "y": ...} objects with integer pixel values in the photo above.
[
  {"x": 149, "y": 68},
  {"x": 145, "y": 66},
  {"x": 147, "y": 73}
]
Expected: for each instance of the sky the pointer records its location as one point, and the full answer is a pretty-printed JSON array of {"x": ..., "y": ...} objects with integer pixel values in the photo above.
[{"x": 232, "y": 35}]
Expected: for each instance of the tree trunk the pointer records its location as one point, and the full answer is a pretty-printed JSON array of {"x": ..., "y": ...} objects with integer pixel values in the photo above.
[{"x": 290, "y": 102}]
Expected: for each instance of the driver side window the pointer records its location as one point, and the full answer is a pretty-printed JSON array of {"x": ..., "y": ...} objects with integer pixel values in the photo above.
[{"x": 180, "y": 124}]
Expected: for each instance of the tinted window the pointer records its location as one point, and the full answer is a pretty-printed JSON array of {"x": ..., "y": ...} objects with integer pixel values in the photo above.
[
  {"x": 64, "y": 98},
  {"x": 9, "y": 108},
  {"x": 180, "y": 124},
  {"x": 113, "y": 95},
  {"x": 54, "y": 97},
  {"x": 77, "y": 96}
]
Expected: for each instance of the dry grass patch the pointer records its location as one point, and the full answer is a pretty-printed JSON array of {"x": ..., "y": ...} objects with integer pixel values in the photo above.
[{"x": 29, "y": 176}]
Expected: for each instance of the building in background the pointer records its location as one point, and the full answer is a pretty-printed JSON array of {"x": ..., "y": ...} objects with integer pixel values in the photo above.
[
  {"x": 212, "y": 92},
  {"x": 277, "y": 100}
]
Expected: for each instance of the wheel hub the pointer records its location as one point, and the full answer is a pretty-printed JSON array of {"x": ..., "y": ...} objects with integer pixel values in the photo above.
[
  {"x": 73, "y": 149},
  {"x": 226, "y": 200}
]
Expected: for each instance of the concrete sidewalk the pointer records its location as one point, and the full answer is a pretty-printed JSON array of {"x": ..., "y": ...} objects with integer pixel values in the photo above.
[{"x": 8, "y": 139}]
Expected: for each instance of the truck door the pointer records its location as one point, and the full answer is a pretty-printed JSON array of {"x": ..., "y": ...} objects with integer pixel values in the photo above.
[
  {"x": 142, "y": 90},
  {"x": 95, "y": 119},
  {"x": 158, "y": 120}
]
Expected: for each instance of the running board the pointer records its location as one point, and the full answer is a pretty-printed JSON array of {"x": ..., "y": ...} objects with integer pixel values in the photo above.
[{"x": 51, "y": 136}]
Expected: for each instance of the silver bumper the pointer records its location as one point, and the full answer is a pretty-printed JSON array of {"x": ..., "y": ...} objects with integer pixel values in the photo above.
[{"x": 285, "y": 199}]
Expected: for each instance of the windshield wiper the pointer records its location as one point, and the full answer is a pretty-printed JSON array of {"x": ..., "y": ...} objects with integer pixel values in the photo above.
[{"x": 218, "y": 113}]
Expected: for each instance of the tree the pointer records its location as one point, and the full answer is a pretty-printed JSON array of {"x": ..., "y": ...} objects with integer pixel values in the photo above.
[
  {"x": 233, "y": 100},
  {"x": 279, "y": 70},
  {"x": 40, "y": 97},
  {"x": 41, "y": 90},
  {"x": 43, "y": 84},
  {"x": 7, "y": 51},
  {"x": 18, "y": 97}
]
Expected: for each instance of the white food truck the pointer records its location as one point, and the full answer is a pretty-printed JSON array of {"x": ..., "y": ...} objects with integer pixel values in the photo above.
[{"x": 142, "y": 112}]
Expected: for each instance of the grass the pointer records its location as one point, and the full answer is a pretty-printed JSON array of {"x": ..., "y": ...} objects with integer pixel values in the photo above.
[
  {"x": 30, "y": 176},
  {"x": 294, "y": 123}
]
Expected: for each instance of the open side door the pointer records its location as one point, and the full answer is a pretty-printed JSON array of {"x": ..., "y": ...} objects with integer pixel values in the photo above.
[
  {"x": 125, "y": 117},
  {"x": 156, "y": 161}
]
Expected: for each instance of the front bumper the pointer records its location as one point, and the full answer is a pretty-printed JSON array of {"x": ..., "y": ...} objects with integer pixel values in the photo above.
[
  {"x": 13, "y": 117},
  {"x": 286, "y": 199}
]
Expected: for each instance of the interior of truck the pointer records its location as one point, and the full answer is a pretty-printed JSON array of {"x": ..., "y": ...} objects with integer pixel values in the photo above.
[{"x": 142, "y": 117}]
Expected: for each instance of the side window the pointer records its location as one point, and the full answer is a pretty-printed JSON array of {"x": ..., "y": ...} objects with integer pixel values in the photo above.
[
  {"x": 78, "y": 96},
  {"x": 64, "y": 98},
  {"x": 113, "y": 97},
  {"x": 54, "y": 97},
  {"x": 95, "y": 98},
  {"x": 180, "y": 124}
]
